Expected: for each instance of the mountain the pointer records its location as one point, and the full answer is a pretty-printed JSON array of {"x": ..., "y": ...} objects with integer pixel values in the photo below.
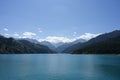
[
  {"x": 36, "y": 48},
  {"x": 45, "y": 43},
  {"x": 104, "y": 43},
  {"x": 56, "y": 47},
  {"x": 50, "y": 45},
  {"x": 108, "y": 46},
  {"x": 11, "y": 45},
  {"x": 66, "y": 45},
  {"x": 100, "y": 38}
]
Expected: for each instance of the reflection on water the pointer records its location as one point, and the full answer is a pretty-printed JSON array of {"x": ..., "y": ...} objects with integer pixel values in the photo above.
[{"x": 59, "y": 67}]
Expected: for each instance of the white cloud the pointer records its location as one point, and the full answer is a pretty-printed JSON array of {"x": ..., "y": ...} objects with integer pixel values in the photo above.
[
  {"x": 16, "y": 34},
  {"x": 87, "y": 36},
  {"x": 5, "y": 29},
  {"x": 55, "y": 39},
  {"x": 28, "y": 35}
]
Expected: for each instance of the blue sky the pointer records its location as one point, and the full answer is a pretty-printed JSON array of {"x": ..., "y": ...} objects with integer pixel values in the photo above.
[{"x": 41, "y": 19}]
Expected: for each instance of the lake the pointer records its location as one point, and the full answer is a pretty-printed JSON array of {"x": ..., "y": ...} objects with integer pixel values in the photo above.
[{"x": 59, "y": 67}]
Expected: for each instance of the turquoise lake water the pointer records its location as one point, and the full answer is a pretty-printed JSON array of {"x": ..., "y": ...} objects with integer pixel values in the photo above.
[{"x": 59, "y": 67}]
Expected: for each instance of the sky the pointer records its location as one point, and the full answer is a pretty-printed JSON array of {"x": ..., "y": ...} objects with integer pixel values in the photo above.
[{"x": 58, "y": 20}]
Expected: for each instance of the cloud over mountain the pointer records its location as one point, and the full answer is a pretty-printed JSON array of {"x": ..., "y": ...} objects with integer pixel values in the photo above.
[
  {"x": 88, "y": 36},
  {"x": 56, "y": 39},
  {"x": 28, "y": 34},
  {"x": 53, "y": 39}
]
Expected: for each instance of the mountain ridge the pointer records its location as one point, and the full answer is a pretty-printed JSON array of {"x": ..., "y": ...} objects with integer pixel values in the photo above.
[
  {"x": 13, "y": 46},
  {"x": 95, "y": 40},
  {"x": 109, "y": 46}
]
